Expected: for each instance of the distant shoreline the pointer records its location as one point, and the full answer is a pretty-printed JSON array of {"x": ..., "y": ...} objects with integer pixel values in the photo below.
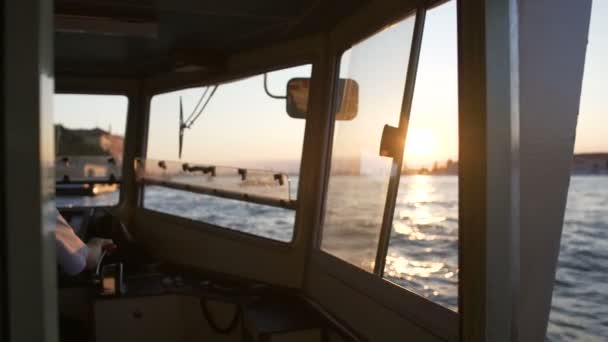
[
  {"x": 582, "y": 164},
  {"x": 103, "y": 143}
]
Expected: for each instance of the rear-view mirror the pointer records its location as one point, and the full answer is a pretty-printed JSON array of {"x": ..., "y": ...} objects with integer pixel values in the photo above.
[{"x": 347, "y": 99}]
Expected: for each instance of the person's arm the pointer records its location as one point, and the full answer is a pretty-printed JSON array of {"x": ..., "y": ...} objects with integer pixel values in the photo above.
[
  {"x": 73, "y": 256},
  {"x": 72, "y": 253}
]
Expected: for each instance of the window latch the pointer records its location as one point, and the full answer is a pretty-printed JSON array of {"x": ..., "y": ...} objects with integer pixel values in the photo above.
[{"x": 392, "y": 142}]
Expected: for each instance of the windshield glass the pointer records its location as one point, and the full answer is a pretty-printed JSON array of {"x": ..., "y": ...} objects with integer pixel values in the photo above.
[
  {"x": 89, "y": 139},
  {"x": 227, "y": 155}
]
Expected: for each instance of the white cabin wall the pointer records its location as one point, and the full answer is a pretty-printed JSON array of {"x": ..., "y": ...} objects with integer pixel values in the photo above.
[
  {"x": 367, "y": 317},
  {"x": 183, "y": 242},
  {"x": 552, "y": 46}
]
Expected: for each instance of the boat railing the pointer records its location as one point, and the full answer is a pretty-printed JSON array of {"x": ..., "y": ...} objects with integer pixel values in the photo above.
[
  {"x": 87, "y": 170},
  {"x": 256, "y": 186}
]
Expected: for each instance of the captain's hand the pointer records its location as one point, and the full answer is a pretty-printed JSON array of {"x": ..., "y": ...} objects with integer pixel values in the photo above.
[{"x": 95, "y": 246}]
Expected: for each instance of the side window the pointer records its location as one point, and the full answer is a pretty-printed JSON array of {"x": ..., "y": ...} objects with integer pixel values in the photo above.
[
  {"x": 89, "y": 139},
  {"x": 401, "y": 224},
  {"x": 240, "y": 154},
  {"x": 359, "y": 179},
  {"x": 423, "y": 248}
]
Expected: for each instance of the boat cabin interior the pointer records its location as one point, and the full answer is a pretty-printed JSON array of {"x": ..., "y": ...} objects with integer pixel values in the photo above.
[{"x": 246, "y": 160}]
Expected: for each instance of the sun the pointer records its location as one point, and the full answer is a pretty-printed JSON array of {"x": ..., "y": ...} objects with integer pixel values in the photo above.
[{"x": 419, "y": 146}]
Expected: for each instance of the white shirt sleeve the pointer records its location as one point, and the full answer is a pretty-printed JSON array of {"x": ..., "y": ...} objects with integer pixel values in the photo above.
[{"x": 71, "y": 251}]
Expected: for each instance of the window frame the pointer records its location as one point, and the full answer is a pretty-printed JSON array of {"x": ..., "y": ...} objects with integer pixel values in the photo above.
[
  {"x": 438, "y": 319},
  {"x": 126, "y": 166},
  {"x": 209, "y": 227}
]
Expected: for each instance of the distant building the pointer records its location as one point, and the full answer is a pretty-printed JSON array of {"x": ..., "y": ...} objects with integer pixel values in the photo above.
[
  {"x": 449, "y": 168},
  {"x": 87, "y": 142},
  {"x": 87, "y": 153},
  {"x": 590, "y": 163}
]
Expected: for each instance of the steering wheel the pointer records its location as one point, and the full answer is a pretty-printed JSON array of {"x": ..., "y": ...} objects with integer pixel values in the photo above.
[
  {"x": 107, "y": 225},
  {"x": 87, "y": 218}
]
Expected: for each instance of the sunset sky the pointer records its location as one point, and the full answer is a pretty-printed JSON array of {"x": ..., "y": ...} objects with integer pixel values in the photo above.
[{"x": 242, "y": 124}]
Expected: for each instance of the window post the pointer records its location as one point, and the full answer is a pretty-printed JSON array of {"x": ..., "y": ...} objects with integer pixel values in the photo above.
[
  {"x": 397, "y": 163},
  {"x": 28, "y": 180}
]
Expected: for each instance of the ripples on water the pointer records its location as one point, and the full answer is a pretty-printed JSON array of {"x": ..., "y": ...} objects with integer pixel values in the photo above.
[
  {"x": 423, "y": 249},
  {"x": 580, "y": 295},
  {"x": 260, "y": 220}
]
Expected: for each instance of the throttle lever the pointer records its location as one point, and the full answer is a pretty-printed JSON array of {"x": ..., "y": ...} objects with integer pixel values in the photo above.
[
  {"x": 105, "y": 250},
  {"x": 113, "y": 272}
]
